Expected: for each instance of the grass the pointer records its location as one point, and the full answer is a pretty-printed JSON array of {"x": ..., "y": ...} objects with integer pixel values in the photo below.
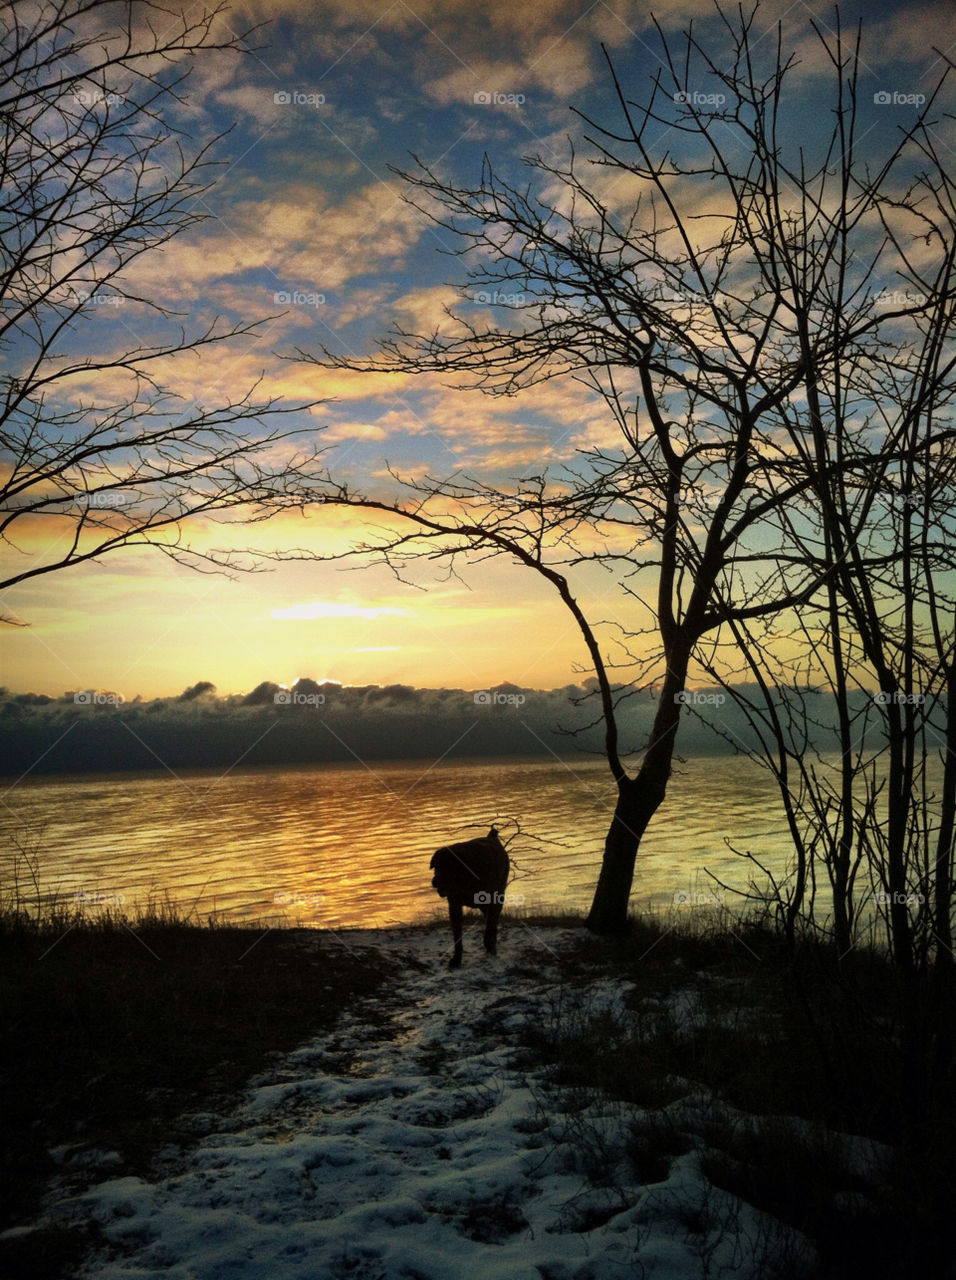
[
  {"x": 806, "y": 1044},
  {"x": 117, "y": 1026},
  {"x": 114, "y": 1025}
]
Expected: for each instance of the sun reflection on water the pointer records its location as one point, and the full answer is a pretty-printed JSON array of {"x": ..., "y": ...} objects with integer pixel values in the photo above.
[{"x": 334, "y": 846}]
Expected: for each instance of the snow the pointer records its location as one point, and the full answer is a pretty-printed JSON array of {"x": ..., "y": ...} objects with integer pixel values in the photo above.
[{"x": 415, "y": 1142}]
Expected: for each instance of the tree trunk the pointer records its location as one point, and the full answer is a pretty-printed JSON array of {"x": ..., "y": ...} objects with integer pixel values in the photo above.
[
  {"x": 637, "y": 803},
  {"x": 840, "y": 884},
  {"x": 638, "y": 799}
]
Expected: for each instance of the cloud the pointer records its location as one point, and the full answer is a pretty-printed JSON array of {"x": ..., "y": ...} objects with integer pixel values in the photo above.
[
  {"x": 333, "y": 609},
  {"x": 97, "y": 731},
  {"x": 910, "y": 36},
  {"x": 215, "y": 374},
  {"x": 295, "y": 238},
  {"x": 267, "y": 726},
  {"x": 426, "y": 310},
  {"x": 351, "y": 431},
  {"x": 490, "y": 86}
]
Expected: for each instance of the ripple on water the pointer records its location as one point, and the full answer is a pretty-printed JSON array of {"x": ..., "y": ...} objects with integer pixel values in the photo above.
[{"x": 345, "y": 846}]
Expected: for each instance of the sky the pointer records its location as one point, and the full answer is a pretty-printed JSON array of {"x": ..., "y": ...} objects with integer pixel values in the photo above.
[{"x": 307, "y": 229}]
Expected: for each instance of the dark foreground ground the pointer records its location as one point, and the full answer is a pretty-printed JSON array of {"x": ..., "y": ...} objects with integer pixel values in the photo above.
[{"x": 119, "y": 1032}]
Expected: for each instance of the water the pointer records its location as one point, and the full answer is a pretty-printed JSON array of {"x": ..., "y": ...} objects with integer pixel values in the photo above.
[{"x": 350, "y": 845}]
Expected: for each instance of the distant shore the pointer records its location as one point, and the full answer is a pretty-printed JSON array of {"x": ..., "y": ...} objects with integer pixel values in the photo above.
[{"x": 100, "y": 731}]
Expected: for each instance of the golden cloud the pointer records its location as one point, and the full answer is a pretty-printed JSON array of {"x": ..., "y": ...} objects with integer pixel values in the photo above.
[{"x": 334, "y": 609}]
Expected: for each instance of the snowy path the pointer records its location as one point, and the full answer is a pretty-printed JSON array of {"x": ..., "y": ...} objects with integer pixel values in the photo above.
[{"x": 410, "y": 1144}]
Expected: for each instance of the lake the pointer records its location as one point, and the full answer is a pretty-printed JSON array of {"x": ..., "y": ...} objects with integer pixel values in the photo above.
[{"x": 337, "y": 845}]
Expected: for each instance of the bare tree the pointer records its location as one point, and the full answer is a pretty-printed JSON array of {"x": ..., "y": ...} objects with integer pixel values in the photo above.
[
  {"x": 876, "y": 437},
  {"x": 98, "y": 451},
  {"x": 709, "y": 311}
]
